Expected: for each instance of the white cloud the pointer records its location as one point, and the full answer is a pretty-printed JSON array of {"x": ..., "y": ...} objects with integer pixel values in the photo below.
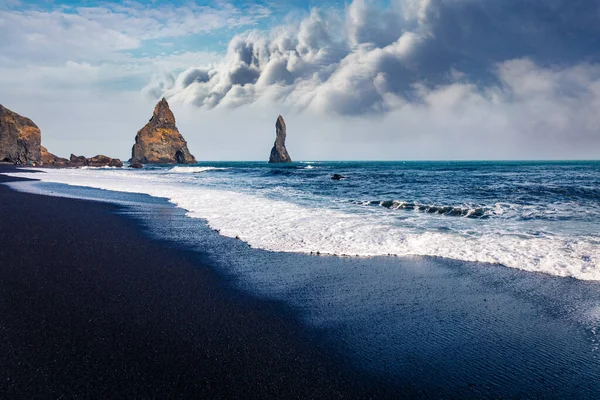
[
  {"x": 122, "y": 74},
  {"x": 100, "y": 33},
  {"x": 66, "y": 51},
  {"x": 34, "y": 36},
  {"x": 372, "y": 59},
  {"x": 167, "y": 20},
  {"x": 323, "y": 62},
  {"x": 454, "y": 121}
]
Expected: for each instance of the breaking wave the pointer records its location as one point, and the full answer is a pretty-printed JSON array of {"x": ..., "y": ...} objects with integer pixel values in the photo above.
[
  {"x": 193, "y": 170},
  {"x": 103, "y": 167},
  {"x": 278, "y": 224},
  {"x": 453, "y": 211}
]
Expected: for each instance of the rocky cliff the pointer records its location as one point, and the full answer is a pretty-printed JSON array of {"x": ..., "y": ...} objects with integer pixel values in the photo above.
[
  {"x": 104, "y": 161},
  {"x": 20, "y": 138},
  {"x": 279, "y": 153},
  {"x": 159, "y": 142},
  {"x": 50, "y": 160},
  {"x": 97, "y": 161}
]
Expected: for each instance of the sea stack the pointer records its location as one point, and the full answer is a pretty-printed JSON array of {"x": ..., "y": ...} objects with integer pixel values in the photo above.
[
  {"x": 20, "y": 139},
  {"x": 159, "y": 142},
  {"x": 279, "y": 153}
]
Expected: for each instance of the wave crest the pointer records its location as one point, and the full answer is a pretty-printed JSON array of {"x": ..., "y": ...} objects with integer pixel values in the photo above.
[
  {"x": 451, "y": 211},
  {"x": 193, "y": 170},
  {"x": 277, "y": 225}
]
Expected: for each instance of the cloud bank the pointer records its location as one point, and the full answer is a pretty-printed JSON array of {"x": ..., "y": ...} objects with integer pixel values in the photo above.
[
  {"x": 373, "y": 60},
  {"x": 416, "y": 79}
]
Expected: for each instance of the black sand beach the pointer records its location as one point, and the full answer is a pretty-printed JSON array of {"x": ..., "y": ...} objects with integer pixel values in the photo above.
[
  {"x": 91, "y": 308},
  {"x": 106, "y": 301}
]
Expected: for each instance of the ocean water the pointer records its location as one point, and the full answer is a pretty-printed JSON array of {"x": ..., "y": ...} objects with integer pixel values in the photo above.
[{"x": 534, "y": 216}]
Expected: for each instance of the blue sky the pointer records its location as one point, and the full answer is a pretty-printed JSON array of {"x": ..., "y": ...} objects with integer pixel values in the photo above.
[
  {"x": 359, "y": 79},
  {"x": 209, "y": 40}
]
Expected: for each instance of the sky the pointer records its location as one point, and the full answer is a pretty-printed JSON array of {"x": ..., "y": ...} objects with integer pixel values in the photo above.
[{"x": 354, "y": 80}]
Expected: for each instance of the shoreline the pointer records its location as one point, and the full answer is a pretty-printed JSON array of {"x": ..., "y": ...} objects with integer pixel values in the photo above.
[
  {"x": 260, "y": 205},
  {"x": 91, "y": 307},
  {"x": 412, "y": 327}
]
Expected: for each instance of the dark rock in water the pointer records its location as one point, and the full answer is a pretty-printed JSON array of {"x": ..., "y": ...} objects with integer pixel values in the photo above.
[
  {"x": 159, "y": 142},
  {"x": 279, "y": 153},
  {"x": 77, "y": 161},
  {"x": 50, "y": 160},
  {"x": 337, "y": 177},
  {"x": 97, "y": 161},
  {"x": 136, "y": 165},
  {"x": 115, "y": 162},
  {"x": 20, "y": 139},
  {"x": 104, "y": 161},
  {"x": 387, "y": 203}
]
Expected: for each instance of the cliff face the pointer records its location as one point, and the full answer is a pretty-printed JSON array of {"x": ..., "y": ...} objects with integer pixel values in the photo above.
[
  {"x": 159, "y": 142},
  {"x": 279, "y": 153},
  {"x": 20, "y": 138}
]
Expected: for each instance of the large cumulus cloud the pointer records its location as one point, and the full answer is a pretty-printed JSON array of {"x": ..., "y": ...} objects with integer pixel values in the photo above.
[{"x": 373, "y": 60}]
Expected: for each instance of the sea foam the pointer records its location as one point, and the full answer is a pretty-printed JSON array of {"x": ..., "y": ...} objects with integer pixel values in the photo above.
[
  {"x": 284, "y": 226},
  {"x": 193, "y": 170}
]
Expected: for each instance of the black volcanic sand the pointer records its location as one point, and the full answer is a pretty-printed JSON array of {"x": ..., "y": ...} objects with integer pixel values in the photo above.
[
  {"x": 92, "y": 308},
  {"x": 140, "y": 301}
]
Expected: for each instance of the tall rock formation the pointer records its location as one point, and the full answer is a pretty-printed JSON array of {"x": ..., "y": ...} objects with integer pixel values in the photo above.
[
  {"x": 20, "y": 138},
  {"x": 279, "y": 153},
  {"x": 159, "y": 142}
]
